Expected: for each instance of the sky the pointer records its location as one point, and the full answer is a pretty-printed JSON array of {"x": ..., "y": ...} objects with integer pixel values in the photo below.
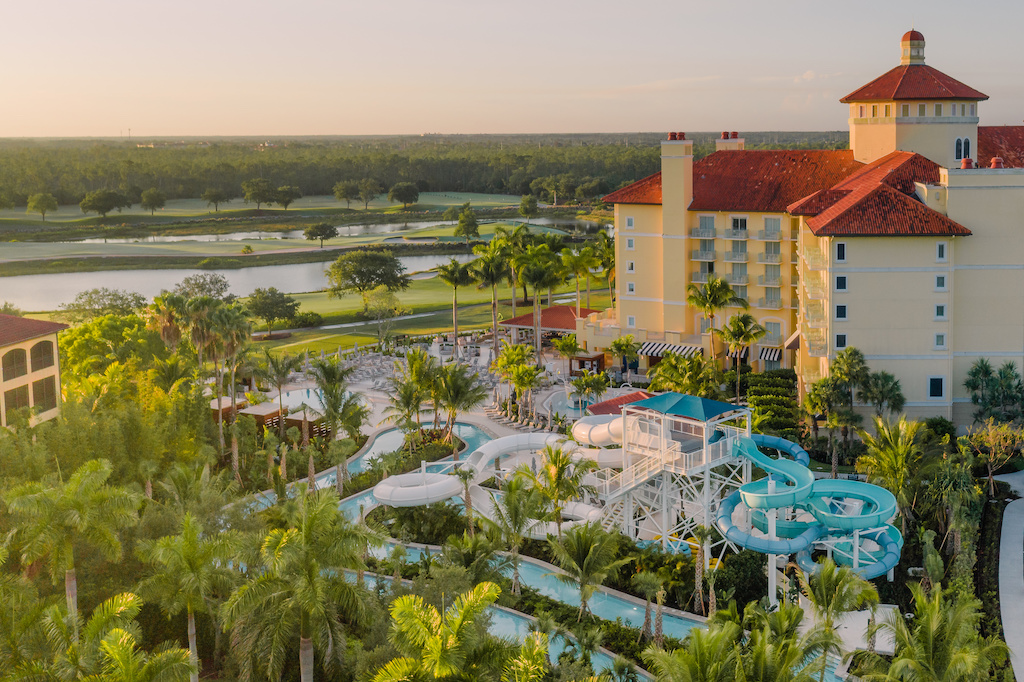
[{"x": 312, "y": 67}]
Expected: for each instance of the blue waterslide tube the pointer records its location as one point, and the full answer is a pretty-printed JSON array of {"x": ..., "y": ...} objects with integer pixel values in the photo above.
[
  {"x": 873, "y": 563},
  {"x": 800, "y": 479},
  {"x": 758, "y": 543},
  {"x": 782, "y": 445},
  {"x": 879, "y": 504}
]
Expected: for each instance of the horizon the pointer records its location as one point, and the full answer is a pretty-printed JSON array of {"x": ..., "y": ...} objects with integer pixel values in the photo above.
[{"x": 456, "y": 67}]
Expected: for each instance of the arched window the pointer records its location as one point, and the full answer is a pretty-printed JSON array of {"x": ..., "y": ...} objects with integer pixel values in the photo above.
[
  {"x": 959, "y": 149},
  {"x": 15, "y": 364},
  {"x": 967, "y": 148},
  {"x": 42, "y": 355}
]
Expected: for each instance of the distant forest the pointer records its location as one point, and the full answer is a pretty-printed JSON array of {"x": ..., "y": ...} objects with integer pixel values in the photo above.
[{"x": 512, "y": 164}]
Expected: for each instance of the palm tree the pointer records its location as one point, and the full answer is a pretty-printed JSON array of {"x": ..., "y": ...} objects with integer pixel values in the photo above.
[
  {"x": 299, "y": 589},
  {"x": 490, "y": 270},
  {"x": 694, "y": 375},
  {"x": 587, "y": 553},
  {"x": 707, "y": 655},
  {"x": 525, "y": 379},
  {"x": 648, "y": 584},
  {"x": 22, "y": 641},
  {"x": 277, "y": 369},
  {"x": 578, "y": 263},
  {"x": 590, "y": 386},
  {"x": 626, "y": 348},
  {"x": 337, "y": 404},
  {"x": 466, "y": 476},
  {"x": 568, "y": 347},
  {"x": 442, "y": 646},
  {"x": 229, "y": 331},
  {"x": 199, "y": 320},
  {"x": 604, "y": 251},
  {"x": 514, "y": 241},
  {"x": 833, "y": 591},
  {"x": 709, "y": 298},
  {"x": 978, "y": 382},
  {"x": 701, "y": 534},
  {"x": 51, "y": 519},
  {"x": 421, "y": 370},
  {"x": 539, "y": 272},
  {"x": 123, "y": 661},
  {"x": 531, "y": 663},
  {"x": 512, "y": 517},
  {"x": 405, "y": 401},
  {"x": 477, "y": 554},
  {"x": 167, "y": 316},
  {"x": 942, "y": 642},
  {"x": 895, "y": 459},
  {"x": 455, "y": 275},
  {"x": 558, "y": 479},
  {"x": 511, "y": 357},
  {"x": 851, "y": 369},
  {"x": 191, "y": 569},
  {"x": 825, "y": 396},
  {"x": 740, "y": 332},
  {"x": 458, "y": 391},
  {"x": 882, "y": 390}
]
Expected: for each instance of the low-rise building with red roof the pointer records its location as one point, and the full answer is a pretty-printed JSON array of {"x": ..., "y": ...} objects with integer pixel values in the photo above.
[
  {"x": 905, "y": 246},
  {"x": 29, "y": 368}
]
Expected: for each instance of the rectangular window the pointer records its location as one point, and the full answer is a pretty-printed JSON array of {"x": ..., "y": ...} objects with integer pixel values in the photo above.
[
  {"x": 874, "y": 111},
  {"x": 888, "y": 110},
  {"x": 774, "y": 248},
  {"x": 44, "y": 394},
  {"x": 739, "y": 247},
  {"x": 774, "y": 330},
  {"x": 705, "y": 325},
  {"x": 15, "y": 399},
  {"x": 963, "y": 109},
  {"x": 629, "y": 223},
  {"x": 707, "y": 222},
  {"x": 739, "y": 223},
  {"x": 630, "y": 288},
  {"x": 630, "y": 266},
  {"x": 940, "y": 252},
  {"x": 630, "y": 321},
  {"x": 840, "y": 341},
  {"x": 769, "y": 365},
  {"x": 773, "y": 225},
  {"x": 840, "y": 252},
  {"x": 973, "y": 109},
  {"x": 936, "y": 387},
  {"x": 940, "y": 282},
  {"x": 629, "y": 244},
  {"x": 940, "y": 341},
  {"x": 739, "y": 272},
  {"x": 860, "y": 111},
  {"x": 841, "y": 283},
  {"x": 922, "y": 110},
  {"x": 707, "y": 267},
  {"x": 906, "y": 110},
  {"x": 740, "y": 291},
  {"x": 940, "y": 312},
  {"x": 840, "y": 312},
  {"x": 938, "y": 110}
]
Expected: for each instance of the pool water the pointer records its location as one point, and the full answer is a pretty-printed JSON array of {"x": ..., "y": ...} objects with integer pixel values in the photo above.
[
  {"x": 559, "y": 403},
  {"x": 296, "y": 397}
]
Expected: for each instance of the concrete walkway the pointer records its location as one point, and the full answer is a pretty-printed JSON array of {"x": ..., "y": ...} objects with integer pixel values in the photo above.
[{"x": 1011, "y": 573}]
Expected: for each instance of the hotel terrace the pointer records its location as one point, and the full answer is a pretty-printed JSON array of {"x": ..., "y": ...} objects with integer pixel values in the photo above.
[{"x": 908, "y": 246}]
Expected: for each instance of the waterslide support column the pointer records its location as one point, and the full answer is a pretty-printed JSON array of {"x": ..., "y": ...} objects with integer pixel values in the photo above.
[
  {"x": 856, "y": 549},
  {"x": 772, "y": 515}
]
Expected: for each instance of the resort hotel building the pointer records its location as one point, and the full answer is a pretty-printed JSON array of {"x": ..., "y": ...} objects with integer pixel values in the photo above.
[
  {"x": 29, "y": 368},
  {"x": 908, "y": 246}
]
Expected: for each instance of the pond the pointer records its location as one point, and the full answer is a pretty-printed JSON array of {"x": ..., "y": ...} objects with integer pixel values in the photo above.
[{"x": 48, "y": 292}]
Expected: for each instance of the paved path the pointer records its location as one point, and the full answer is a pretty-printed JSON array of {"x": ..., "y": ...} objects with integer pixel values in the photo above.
[{"x": 1011, "y": 573}]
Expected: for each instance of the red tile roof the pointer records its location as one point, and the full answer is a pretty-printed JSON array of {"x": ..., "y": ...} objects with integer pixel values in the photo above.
[
  {"x": 913, "y": 81},
  {"x": 766, "y": 180},
  {"x": 912, "y": 35},
  {"x": 614, "y": 405},
  {"x": 1004, "y": 141},
  {"x": 879, "y": 201},
  {"x": 646, "y": 191},
  {"x": 555, "y": 318},
  {"x": 14, "y": 329}
]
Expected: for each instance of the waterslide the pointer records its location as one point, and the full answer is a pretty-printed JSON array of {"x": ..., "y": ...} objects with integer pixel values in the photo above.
[
  {"x": 853, "y": 514},
  {"x": 599, "y": 432}
]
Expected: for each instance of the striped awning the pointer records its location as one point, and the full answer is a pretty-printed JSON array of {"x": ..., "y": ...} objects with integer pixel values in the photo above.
[
  {"x": 742, "y": 352},
  {"x": 771, "y": 354},
  {"x": 653, "y": 349}
]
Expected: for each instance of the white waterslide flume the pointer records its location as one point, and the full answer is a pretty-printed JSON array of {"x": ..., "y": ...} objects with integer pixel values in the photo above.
[{"x": 600, "y": 431}]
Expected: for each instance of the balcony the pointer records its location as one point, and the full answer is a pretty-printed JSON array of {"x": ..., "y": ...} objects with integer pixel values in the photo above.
[
  {"x": 770, "y": 303},
  {"x": 814, "y": 288},
  {"x": 736, "y": 234},
  {"x": 700, "y": 277},
  {"x": 770, "y": 258},
  {"x": 771, "y": 340},
  {"x": 816, "y": 345},
  {"x": 770, "y": 235},
  {"x": 735, "y": 256},
  {"x": 770, "y": 281},
  {"x": 703, "y": 233},
  {"x": 736, "y": 279},
  {"x": 814, "y": 315},
  {"x": 705, "y": 256},
  {"x": 814, "y": 258}
]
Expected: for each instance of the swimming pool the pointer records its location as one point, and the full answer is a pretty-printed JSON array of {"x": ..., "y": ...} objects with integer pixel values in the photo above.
[
  {"x": 561, "y": 404},
  {"x": 294, "y": 398}
]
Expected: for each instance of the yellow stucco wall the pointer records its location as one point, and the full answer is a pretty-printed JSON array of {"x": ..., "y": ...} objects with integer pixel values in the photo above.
[{"x": 31, "y": 377}]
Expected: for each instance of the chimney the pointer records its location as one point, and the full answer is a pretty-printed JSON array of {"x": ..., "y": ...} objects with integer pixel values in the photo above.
[
  {"x": 676, "y": 182},
  {"x": 672, "y": 137},
  {"x": 729, "y": 142},
  {"x": 997, "y": 162},
  {"x": 966, "y": 164}
]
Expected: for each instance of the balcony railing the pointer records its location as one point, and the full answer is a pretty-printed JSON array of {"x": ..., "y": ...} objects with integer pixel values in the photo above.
[
  {"x": 769, "y": 258},
  {"x": 700, "y": 277},
  {"x": 770, "y": 280},
  {"x": 703, "y": 233},
  {"x": 814, "y": 288},
  {"x": 736, "y": 234},
  {"x": 770, "y": 235},
  {"x": 770, "y": 303},
  {"x": 771, "y": 340},
  {"x": 735, "y": 256},
  {"x": 702, "y": 255},
  {"x": 736, "y": 279},
  {"x": 813, "y": 257},
  {"x": 814, "y": 314}
]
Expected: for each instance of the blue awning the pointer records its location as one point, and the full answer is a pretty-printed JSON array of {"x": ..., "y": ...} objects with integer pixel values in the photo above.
[{"x": 681, "y": 405}]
